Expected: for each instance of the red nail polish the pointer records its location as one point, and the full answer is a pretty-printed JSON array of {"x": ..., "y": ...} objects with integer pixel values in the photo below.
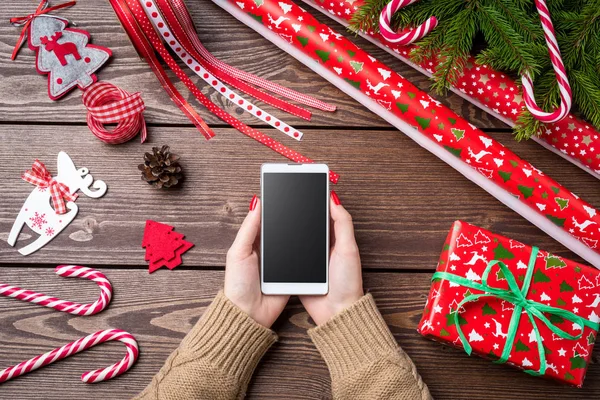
[
  {"x": 253, "y": 203},
  {"x": 336, "y": 199}
]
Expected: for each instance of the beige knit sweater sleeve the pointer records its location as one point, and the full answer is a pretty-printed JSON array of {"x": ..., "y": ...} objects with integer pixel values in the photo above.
[
  {"x": 216, "y": 359},
  {"x": 218, "y": 356},
  {"x": 363, "y": 357}
]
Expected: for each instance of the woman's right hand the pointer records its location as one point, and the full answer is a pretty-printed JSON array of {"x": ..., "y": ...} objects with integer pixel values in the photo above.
[{"x": 345, "y": 277}]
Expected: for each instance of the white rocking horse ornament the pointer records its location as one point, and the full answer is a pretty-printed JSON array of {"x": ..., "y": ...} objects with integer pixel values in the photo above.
[{"x": 38, "y": 213}]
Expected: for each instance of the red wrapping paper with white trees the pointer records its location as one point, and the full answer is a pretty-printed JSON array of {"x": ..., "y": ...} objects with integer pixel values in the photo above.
[
  {"x": 362, "y": 72},
  {"x": 494, "y": 92},
  {"x": 553, "y": 281}
]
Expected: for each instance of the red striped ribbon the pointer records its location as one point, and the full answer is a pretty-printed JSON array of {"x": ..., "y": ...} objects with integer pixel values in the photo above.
[
  {"x": 145, "y": 49},
  {"x": 146, "y": 40},
  {"x": 107, "y": 104},
  {"x": 183, "y": 37},
  {"x": 185, "y": 20},
  {"x": 163, "y": 30}
]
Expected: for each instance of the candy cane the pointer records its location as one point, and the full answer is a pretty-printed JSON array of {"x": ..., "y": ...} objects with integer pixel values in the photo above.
[
  {"x": 68, "y": 271},
  {"x": 559, "y": 70},
  {"x": 411, "y": 35},
  {"x": 78, "y": 346}
]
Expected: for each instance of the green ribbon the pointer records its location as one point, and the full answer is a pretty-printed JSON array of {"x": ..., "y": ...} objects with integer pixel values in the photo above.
[{"x": 518, "y": 297}]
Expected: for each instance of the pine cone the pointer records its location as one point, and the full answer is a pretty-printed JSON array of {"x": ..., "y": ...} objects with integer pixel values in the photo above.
[{"x": 161, "y": 168}]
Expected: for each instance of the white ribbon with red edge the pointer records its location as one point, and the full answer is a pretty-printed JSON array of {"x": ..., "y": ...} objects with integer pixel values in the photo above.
[{"x": 161, "y": 26}]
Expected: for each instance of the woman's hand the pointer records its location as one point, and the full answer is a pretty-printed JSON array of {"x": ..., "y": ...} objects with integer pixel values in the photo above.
[
  {"x": 242, "y": 274},
  {"x": 345, "y": 278}
]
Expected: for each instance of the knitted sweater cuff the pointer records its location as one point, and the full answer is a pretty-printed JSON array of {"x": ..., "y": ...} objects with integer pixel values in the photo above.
[
  {"x": 229, "y": 339},
  {"x": 354, "y": 338}
]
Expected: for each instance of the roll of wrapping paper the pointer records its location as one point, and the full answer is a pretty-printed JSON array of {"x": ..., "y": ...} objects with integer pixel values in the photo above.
[
  {"x": 494, "y": 92},
  {"x": 486, "y": 162}
]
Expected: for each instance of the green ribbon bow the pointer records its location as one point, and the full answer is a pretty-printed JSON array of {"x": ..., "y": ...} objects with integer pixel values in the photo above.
[{"x": 518, "y": 297}]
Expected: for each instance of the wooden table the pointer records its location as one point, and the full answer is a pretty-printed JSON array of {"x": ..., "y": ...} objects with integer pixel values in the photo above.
[{"x": 402, "y": 198}]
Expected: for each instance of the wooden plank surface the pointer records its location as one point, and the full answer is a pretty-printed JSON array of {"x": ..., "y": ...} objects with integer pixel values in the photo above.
[
  {"x": 389, "y": 184},
  {"x": 160, "y": 308},
  {"x": 24, "y": 90},
  {"x": 402, "y": 198}
]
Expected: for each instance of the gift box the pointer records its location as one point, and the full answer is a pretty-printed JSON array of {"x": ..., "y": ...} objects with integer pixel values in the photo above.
[{"x": 513, "y": 303}]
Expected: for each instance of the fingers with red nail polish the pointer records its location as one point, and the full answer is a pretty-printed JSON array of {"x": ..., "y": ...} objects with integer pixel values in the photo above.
[
  {"x": 335, "y": 198},
  {"x": 253, "y": 203}
]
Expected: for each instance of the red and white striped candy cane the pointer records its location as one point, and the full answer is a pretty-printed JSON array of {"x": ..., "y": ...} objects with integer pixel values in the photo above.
[
  {"x": 409, "y": 36},
  {"x": 559, "y": 70},
  {"x": 68, "y": 271},
  {"x": 77, "y": 346}
]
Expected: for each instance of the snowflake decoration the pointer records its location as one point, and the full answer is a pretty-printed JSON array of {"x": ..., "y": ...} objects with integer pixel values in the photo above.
[
  {"x": 50, "y": 231},
  {"x": 38, "y": 220}
]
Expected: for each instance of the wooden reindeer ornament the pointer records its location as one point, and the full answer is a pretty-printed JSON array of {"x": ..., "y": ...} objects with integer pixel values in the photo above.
[{"x": 45, "y": 210}]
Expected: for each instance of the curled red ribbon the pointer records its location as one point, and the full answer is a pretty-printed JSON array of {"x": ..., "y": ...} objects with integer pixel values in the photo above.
[
  {"x": 107, "y": 104},
  {"x": 26, "y": 20},
  {"x": 39, "y": 176}
]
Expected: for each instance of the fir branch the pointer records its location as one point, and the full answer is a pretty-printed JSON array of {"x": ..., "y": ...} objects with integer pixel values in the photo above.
[
  {"x": 587, "y": 94},
  {"x": 500, "y": 34},
  {"x": 419, "y": 12},
  {"x": 527, "y": 126},
  {"x": 520, "y": 20},
  {"x": 366, "y": 18},
  {"x": 453, "y": 56},
  {"x": 514, "y": 43},
  {"x": 428, "y": 46}
]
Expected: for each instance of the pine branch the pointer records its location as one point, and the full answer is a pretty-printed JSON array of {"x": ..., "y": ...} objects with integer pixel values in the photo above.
[
  {"x": 366, "y": 18},
  {"x": 527, "y": 126},
  {"x": 515, "y": 43},
  {"x": 453, "y": 56},
  {"x": 527, "y": 27},
  {"x": 587, "y": 94},
  {"x": 500, "y": 34}
]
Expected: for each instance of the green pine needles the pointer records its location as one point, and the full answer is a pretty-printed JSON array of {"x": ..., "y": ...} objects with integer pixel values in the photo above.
[{"x": 514, "y": 43}]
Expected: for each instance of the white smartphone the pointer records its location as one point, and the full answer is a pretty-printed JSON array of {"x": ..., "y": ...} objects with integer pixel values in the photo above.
[{"x": 295, "y": 229}]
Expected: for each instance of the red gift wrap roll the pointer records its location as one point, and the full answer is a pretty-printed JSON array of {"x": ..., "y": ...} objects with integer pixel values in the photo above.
[
  {"x": 494, "y": 92},
  {"x": 512, "y": 180}
]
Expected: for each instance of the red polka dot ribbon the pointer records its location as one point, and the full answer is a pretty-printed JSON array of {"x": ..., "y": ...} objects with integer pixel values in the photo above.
[
  {"x": 109, "y": 104},
  {"x": 147, "y": 42},
  {"x": 179, "y": 40},
  {"x": 185, "y": 20}
]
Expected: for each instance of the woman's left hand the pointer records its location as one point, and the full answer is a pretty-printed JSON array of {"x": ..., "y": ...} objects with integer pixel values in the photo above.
[{"x": 242, "y": 273}]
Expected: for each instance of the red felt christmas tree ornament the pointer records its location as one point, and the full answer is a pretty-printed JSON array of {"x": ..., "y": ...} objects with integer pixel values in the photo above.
[
  {"x": 64, "y": 54},
  {"x": 163, "y": 246}
]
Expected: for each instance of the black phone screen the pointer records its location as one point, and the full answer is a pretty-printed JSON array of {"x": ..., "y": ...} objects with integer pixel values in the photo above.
[{"x": 295, "y": 227}]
